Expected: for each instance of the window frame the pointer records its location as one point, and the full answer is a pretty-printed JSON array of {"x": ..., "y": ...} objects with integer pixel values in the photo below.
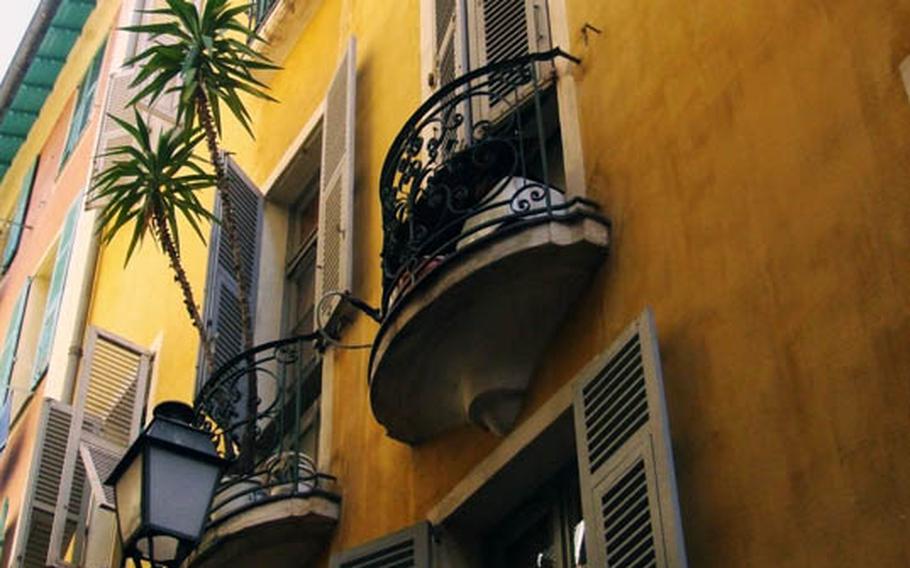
[{"x": 565, "y": 83}]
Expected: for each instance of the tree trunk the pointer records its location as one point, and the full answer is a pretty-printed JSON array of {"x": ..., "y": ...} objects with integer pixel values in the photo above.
[
  {"x": 173, "y": 255},
  {"x": 229, "y": 228}
]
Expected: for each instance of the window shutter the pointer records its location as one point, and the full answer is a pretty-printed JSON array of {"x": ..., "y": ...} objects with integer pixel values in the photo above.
[
  {"x": 448, "y": 42},
  {"x": 222, "y": 301},
  {"x": 334, "y": 243},
  {"x": 84, "y": 98},
  {"x": 110, "y": 398},
  {"x": 625, "y": 458},
  {"x": 503, "y": 30},
  {"x": 11, "y": 343},
  {"x": 99, "y": 457},
  {"x": 17, "y": 223},
  {"x": 113, "y": 385},
  {"x": 407, "y": 548},
  {"x": 159, "y": 116},
  {"x": 47, "y": 480},
  {"x": 55, "y": 293}
]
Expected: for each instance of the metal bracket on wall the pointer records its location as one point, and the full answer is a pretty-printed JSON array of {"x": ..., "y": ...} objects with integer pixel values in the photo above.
[{"x": 589, "y": 28}]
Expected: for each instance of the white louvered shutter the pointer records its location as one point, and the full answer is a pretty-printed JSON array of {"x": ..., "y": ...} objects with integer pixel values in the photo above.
[
  {"x": 334, "y": 244},
  {"x": 501, "y": 30},
  {"x": 449, "y": 55},
  {"x": 161, "y": 115},
  {"x": 625, "y": 457},
  {"x": 99, "y": 457},
  {"x": 110, "y": 399},
  {"x": 222, "y": 297},
  {"x": 410, "y": 548},
  {"x": 47, "y": 480}
]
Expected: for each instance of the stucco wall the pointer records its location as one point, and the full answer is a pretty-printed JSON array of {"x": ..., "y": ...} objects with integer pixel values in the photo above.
[{"x": 752, "y": 156}]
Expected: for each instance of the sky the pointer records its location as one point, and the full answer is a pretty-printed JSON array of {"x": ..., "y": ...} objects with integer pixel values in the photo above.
[{"x": 16, "y": 16}]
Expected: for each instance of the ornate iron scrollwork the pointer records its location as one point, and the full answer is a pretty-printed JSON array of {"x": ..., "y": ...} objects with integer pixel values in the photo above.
[{"x": 463, "y": 166}]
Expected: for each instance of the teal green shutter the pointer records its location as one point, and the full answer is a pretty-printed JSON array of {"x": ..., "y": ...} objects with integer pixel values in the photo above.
[
  {"x": 55, "y": 293},
  {"x": 84, "y": 100},
  {"x": 11, "y": 343},
  {"x": 18, "y": 221}
]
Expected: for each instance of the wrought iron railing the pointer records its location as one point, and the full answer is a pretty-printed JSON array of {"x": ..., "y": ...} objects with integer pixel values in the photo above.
[
  {"x": 470, "y": 165},
  {"x": 268, "y": 450}
]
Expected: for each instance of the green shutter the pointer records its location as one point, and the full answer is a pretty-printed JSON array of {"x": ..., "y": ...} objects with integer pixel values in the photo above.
[
  {"x": 11, "y": 343},
  {"x": 84, "y": 100},
  {"x": 55, "y": 293},
  {"x": 18, "y": 221}
]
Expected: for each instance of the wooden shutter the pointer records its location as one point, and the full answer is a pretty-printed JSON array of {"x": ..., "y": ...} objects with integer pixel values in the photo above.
[
  {"x": 44, "y": 487},
  {"x": 410, "y": 548},
  {"x": 160, "y": 115},
  {"x": 449, "y": 53},
  {"x": 625, "y": 458},
  {"x": 501, "y": 30},
  {"x": 17, "y": 223},
  {"x": 84, "y": 98},
  {"x": 222, "y": 301},
  {"x": 11, "y": 342},
  {"x": 334, "y": 242},
  {"x": 99, "y": 457},
  {"x": 55, "y": 293},
  {"x": 110, "y": 398}
]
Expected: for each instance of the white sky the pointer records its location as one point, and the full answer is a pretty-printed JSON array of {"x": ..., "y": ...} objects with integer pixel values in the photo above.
[{"x": 16, "y": 16}]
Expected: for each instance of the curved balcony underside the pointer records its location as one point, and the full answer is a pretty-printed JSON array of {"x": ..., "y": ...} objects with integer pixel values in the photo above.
[
  {"x": 273, "y": 508},
  {"x": 483, "y": 251},
  {"x": 462, "y": 346},
  {"x": 290, "y": 531}
]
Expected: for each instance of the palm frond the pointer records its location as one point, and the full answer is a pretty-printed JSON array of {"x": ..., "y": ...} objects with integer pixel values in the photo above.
[
  {"x": 153, "y": 174},
  {"x": 202, "y": 54}
]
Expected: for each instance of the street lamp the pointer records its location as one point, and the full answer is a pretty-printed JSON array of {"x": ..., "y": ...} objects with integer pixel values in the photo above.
[{"x": 163, "y": 487}]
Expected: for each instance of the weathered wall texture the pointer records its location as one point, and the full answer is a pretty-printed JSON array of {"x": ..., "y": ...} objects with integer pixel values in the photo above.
[{"x": 753, "y": 158}]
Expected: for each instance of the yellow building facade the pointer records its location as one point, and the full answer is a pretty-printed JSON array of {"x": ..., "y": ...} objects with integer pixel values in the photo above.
[{"x": 684, "y": 326}]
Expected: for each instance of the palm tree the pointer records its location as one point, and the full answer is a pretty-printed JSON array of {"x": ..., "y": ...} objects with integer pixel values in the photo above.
[
  {"x": 148, "y": 184},
  {"x": 205, "y": 57}
]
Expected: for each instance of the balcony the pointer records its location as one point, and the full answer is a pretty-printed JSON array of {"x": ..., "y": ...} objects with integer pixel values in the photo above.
[
  {"x": 483, "y": 251},
  {"x": 273, "y": 508}
]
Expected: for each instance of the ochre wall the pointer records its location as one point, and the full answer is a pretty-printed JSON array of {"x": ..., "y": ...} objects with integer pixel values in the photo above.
[{"x": 752, "y": 156}]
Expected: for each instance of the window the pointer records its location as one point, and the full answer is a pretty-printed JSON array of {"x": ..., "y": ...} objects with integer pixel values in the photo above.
[
  {"x": 85, "y": 96},
  {"x": 468, "y": 34},
  {"x": 523, "y": 505},
  {"x": 539, "y": 533},
  {"x": 300, "y": 273},
  {"x": 298, "y": 310}
]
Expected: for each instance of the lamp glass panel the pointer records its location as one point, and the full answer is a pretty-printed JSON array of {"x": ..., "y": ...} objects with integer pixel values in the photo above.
[
  {"x": 180, "y": 489},
  {"x": 128, "y": 492}
]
